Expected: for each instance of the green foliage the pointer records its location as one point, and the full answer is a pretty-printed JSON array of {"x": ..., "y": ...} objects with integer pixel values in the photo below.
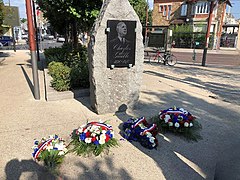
[
  {"x": 81, "y": 148},
  {"x": 55, "y": 54},
  {"x": 52, "y": 160},
  {"x": 60, "y": 75},
  {"x": 1, "y": 16},
  {"x": 76, "y": 60},
  {"x": 140, "y": 7},
  {"x": 70, "y": 16},
  {"x": 23, "y": 20},
  {"x": 190, "y": 133}
]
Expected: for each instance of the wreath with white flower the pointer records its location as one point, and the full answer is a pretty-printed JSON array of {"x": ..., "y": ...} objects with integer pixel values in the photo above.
[
  {"x": 51, "y": 151},
  {"x": 179, "y": 121},
  {"x": 93, "y": 138},
  {"x": 140, "y": 130}
]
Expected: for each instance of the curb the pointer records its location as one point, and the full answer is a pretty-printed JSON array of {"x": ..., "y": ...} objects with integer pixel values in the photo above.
[{"x": 53, "y": 95}]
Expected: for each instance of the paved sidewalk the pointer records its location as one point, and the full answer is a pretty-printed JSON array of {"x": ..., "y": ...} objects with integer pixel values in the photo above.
[{"x": 201, "y": 90}]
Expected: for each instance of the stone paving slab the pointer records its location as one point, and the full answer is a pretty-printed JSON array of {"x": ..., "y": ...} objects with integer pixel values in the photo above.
[{"x": 22, "y": 119}]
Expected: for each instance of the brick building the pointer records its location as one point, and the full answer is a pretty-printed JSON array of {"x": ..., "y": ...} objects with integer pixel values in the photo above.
[{"x": 193, "y": 12}]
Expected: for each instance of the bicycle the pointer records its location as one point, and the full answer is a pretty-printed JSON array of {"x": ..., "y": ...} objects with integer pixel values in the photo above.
[{"x": 167, "y": 58}]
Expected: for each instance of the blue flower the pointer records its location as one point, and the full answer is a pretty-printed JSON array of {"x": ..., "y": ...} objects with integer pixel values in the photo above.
[{"x": 82, "y": 136}]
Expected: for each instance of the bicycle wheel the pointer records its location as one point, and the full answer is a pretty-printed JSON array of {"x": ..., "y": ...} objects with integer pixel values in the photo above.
[{"x": 171, "y": 60}]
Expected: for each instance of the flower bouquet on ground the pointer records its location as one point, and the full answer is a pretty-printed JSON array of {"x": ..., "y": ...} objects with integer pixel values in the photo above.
[
  {"x": 93, "y": 138},
  {"x": 140, "y": 130},
  {"x": 179, "y": 121},
  {"x": 50, "y": 151}
]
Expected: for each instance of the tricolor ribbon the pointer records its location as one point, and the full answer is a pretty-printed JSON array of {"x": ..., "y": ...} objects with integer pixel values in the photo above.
[
  {"x": 148, "y": 129},
  {"x": 140, "y": 120},
  {"x": 41, "y": 148}
]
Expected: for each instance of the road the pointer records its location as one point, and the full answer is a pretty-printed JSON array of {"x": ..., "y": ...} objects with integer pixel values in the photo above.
[{"x": 219, "y": 59}]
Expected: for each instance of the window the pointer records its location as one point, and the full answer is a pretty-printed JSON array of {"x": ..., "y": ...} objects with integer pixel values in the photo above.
[
  {"x": 183, "y": 9},
  {"x": 201, "y": 8},
  {"x": 169, "y": 11},
  {"x": 166, "y": 9}
]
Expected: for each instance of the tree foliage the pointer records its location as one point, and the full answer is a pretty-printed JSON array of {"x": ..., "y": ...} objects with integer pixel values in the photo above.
[
  {"x": 140, "y": 7},
  {"x": 70, "y": 16},
  {"x": 1, "y": 16}
]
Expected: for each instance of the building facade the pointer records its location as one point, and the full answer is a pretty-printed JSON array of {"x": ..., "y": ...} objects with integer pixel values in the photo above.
[{"x": 191, "y": 12}]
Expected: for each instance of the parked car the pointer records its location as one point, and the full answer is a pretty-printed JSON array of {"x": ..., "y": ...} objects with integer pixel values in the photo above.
[
  {"x": 6, "y": 41},
  {"x": 60, "y": 39},
  {"x": 48, "y": 37}
]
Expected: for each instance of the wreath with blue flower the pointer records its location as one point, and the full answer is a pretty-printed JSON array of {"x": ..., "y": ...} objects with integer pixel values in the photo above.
[
  {"x": 179, "y": 121},
  {"x": 138, "y": 129},
  {"x": 93, "y": 138}
]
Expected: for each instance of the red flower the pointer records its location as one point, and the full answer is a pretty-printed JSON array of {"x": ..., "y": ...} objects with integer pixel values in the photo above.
[
  {"x": 107, "y": 138},
  {"x": 88, "y": 134},
  {"x": 94, "y": 139}
]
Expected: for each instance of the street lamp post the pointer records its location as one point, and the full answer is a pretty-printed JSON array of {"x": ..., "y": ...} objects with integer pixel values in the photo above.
[
  {"x": 32, "y": 46},
  {"x": 146, "y": 25},
  {"x": 210, "y": 16}
]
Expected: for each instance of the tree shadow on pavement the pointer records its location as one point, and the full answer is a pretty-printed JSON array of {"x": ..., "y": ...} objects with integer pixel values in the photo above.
[
  {"x": 94, "y": 168},
  {"x": 17, "y": 168},
  {"x": 223, "y": 91},
  {"x": 179, "y": 159}
]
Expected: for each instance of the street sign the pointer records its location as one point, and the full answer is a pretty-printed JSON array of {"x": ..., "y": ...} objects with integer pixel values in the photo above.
[{"x": 11, "y": 16}]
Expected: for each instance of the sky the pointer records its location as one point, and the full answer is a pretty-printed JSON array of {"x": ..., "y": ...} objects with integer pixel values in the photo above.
[{"x": 22, "y": 9}]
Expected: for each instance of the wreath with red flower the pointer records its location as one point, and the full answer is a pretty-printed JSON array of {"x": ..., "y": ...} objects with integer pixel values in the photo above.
[
  {"x": 179, "y": 121},
  {"x": 93, "y": 138}
]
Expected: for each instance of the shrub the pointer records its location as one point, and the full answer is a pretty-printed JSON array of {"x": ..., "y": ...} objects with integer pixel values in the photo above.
[
  {"x": 61, "y": 76},
  {"x": 75, "y": 59}
]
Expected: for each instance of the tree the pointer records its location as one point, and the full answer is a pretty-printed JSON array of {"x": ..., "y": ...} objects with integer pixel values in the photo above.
[
  {"x": 23, "y": 20},
  {"x": 68, "y": 16},
  {"x": 140, "y": 7},
  {"x": 1, "y": 16}
]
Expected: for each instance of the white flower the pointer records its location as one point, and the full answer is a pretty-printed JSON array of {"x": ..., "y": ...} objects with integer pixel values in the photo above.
[
  {"x": 167, "y": 117},
  {"x": 88, "y": 140},
  {"x": 181, "y": 109},
  {"x": 80, "y": 130},
  {"x": 93, "y": 134},
  {"x": 152, "y": 139},
  {"x": 97, "y": 131},
  {"x": 104, "y": 131},
  {"x": 170, "y": 123},
  {"x": 85, "y": 131},
  {"x": 93, "y": 128},
  {"x": 60, "y": 146},
  {"x": 61, "y": 153},
  {"x": 101, "y": 141},
  {"x": 49, "y": 148},
  {"x": 191, "y": 125},
  {"x": 148, "y": 134},
  {"x": 177, "y": 125},
  {"x": 102, "y": 136},
  {"x": 186, "y": 124}
]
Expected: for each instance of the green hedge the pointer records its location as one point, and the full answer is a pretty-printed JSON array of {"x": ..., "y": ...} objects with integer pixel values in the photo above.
[
  {"x": 76, "y": 60},
  {"x": 60, "y": 74}
]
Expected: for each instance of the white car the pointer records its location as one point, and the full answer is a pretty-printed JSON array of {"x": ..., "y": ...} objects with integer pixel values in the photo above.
[{"x": 60, "y": 39}]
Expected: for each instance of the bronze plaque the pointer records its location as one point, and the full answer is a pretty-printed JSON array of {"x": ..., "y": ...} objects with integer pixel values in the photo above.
[{"x": 121, "y": 43}]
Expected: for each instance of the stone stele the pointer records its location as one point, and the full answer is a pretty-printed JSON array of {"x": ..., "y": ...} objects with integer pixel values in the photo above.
[{"x": 113, "y": 90}]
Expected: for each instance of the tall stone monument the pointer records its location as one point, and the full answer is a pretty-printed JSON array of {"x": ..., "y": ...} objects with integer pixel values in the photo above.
[{"x": 116, "y": 55}]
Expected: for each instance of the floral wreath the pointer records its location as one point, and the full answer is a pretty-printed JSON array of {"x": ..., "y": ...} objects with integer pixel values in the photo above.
[
  {"x": 94, "y": 137},
  {"x": 177, "y": 117},
  {"x": 179, "y": 121},
  {"x": 51, "y": 151},
  {"x": 139, "y": 130}
]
